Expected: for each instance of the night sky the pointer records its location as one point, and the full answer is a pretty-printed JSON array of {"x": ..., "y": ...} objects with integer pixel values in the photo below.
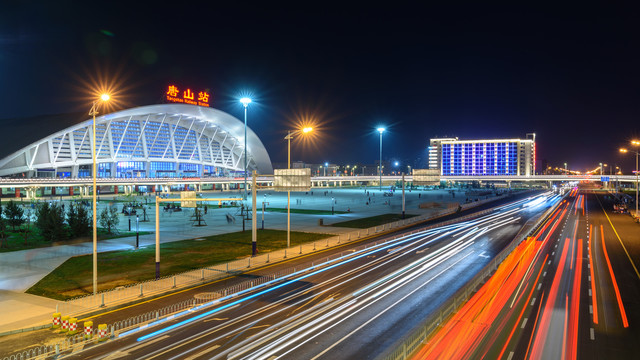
[{"x": 571, "y": 74}]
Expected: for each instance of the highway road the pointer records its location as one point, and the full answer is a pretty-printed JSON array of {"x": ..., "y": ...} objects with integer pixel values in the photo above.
[
  {"x": 352, "y": 306},
  {"x": 570, "y": 291}
]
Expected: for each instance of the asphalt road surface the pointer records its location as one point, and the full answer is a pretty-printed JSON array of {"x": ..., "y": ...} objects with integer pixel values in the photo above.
[
  {"x": 351, "y": 306},
  {"x": 571, "y": 291}
]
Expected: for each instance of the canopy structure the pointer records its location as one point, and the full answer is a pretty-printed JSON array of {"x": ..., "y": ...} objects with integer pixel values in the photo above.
[{"x": 168, "y": 140}]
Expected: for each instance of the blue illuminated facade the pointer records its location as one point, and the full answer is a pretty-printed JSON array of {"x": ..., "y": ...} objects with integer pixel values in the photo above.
[{"x": 485, "y": 157}]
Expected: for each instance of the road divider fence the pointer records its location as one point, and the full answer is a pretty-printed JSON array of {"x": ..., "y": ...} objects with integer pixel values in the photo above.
[{"x": 407, "y": 346}]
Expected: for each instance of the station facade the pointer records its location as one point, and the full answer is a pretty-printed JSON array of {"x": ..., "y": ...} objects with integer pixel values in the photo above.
[{"x": 156, "y": 141}]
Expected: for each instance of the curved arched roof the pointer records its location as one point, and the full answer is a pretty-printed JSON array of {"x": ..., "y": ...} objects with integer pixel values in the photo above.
[{"x": 199, "y": 133}]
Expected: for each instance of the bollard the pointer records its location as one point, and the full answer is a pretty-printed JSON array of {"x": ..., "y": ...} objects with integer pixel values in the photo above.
[
  {"x": 65, "y": 323},
  {"x": 202, "y": 276},
  {"x": 88, "y": 329},
  {"x": 327, "y": 242},
  {"x": 56, "y": 320},
  {"x": 141, "y": 294},
  {"x": 102, "y": 305},
  {"x": 300, "y": 249},
  {"x": 102, "y": 332},
  {"x": 267, "y": 257},
  {"x": 285, "y": 253},
  {"x": 314, "y": 246},
  {"x": 174, "y": 281},
  {"x": 73, "y": 326},
  {"x": 249, "y": 264}
]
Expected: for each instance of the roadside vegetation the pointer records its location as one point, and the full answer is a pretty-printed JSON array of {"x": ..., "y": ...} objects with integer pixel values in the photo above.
[
  {"x": 119, "y": 268},
  {"x": 34, "y": 225}
]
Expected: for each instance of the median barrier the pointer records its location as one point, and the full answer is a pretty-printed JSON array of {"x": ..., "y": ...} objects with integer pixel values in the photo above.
[{"x": 407, "y": 346}]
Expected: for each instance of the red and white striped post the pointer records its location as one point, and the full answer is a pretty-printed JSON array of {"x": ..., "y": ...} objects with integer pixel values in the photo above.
[
  {"x": 88, "y": 329},
  {"x": 65, "y": 323},
  {"x": 56, "y": 320}
]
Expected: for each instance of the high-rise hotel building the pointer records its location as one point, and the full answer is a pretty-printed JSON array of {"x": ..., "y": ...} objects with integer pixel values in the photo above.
[{"x": 483, "y": 157}]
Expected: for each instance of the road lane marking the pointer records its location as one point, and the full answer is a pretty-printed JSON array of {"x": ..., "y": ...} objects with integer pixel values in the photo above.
[
  {"x": 195, "y": 356},
  {"x": 510, "y": 355},
  {"x": 524, "y": 322},
  {"x": 592, "y": 334},
  {"x": 620, "y": 240}
]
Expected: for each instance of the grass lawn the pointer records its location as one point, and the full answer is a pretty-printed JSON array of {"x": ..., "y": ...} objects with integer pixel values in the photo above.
[
  {"x": 117, "y": 268},
  {"x": 371, "y": 221},
  {"x": 304, "y": 211},
  {"x": 15, "y": 241}
]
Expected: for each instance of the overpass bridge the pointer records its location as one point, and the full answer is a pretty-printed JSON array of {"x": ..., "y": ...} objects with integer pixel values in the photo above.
[{"x": 32, "y": 187}]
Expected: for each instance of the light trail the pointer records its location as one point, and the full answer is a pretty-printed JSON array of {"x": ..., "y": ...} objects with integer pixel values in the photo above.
[
  {"x": 623, "y": 314},
  {"x": 594, "y": 299}
]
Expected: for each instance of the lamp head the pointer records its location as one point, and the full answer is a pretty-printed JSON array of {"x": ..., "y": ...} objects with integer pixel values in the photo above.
[
  {"x": 381, "y": 130},
  {"x": 105, "y": 97},
  {"x": 245, "y": 101},
  {"x": 623, "y": 150},
  {"x": 307, "y": 129}
]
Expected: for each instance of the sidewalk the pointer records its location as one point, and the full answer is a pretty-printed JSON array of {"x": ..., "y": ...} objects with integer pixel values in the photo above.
[{"x": 22, "y": 269}]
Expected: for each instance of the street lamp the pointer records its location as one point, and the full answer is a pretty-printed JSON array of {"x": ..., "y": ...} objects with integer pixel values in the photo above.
[
  {"x": 635, "y": 143},
  {"x": 288, "y": 138},
  {"x": 325, "y": 168},
  {"x": 93, "y": 112},
  {"x": 380, "y": 130},
  {"x": 245, "y": 101}
]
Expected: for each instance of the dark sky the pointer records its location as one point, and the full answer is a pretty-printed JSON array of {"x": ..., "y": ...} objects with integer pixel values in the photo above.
[{"x": 571, "y": 74}]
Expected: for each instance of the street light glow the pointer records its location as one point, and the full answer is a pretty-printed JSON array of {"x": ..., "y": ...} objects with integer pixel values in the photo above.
[
  {"x": 105, "y": 97},
  {"x": 245, "y": 101},
  {"x": 381, "y": 130},
  {"x": 307, "y": 129},
  {"x": 623, "y": 150}
]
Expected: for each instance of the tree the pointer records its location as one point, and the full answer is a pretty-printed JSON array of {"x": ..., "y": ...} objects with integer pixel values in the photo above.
[
  {"x": 78, "y": 220},
  {"x": 4, "y": 234},
  {"x": 14, "y": 214},
  {"x": 109, "y": 218},
  {"x": 50, "y": 222}
]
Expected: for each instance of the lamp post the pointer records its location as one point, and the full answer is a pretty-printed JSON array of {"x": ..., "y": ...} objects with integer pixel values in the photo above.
[
  {"x": 245, "y": 101},
  {"x": 325, "y": 168},
  {"x": 635, "y": 143},
  {"x": 380, "y": 130},
  {"x": 93, "y": 112},
  {"x": 288, "y": 138}
]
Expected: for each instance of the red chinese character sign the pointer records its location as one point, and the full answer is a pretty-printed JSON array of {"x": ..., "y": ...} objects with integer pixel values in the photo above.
[{"x": 187, "y": 96}]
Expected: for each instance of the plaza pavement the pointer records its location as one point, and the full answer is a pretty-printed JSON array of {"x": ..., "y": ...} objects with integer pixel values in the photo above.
[{"x": 19, "y": 270}]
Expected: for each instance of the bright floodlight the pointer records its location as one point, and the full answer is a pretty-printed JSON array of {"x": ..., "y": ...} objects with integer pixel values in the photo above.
[
  {"x": 396, "y": 163},
  {"x": 245, "y": 101},
  {"x": 623, "y": 150},
  {"x": 105, "y": 97},
  {"x": 326, "y": 164},
  {"x": 381, "y": 130},
  {"x": 635, "y": 142},
  {"x": 307, "y": 129}
]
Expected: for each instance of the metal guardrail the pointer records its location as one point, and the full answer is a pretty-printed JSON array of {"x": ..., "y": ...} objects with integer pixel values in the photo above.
[{"x": 404, "y": 348}]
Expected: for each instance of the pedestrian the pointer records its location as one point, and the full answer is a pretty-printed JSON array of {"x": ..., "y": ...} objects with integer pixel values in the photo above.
[{"x": 205, "y": 209}]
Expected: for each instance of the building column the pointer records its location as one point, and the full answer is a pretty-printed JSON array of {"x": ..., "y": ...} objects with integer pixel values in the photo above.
[
  {"x": 70, "y": 190},
  {"x": 115, "y": 189},
  {"x": 186, "y": 187},
  {"x": 17, "y": 192},
  {"x": 53, "y": 190}
]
